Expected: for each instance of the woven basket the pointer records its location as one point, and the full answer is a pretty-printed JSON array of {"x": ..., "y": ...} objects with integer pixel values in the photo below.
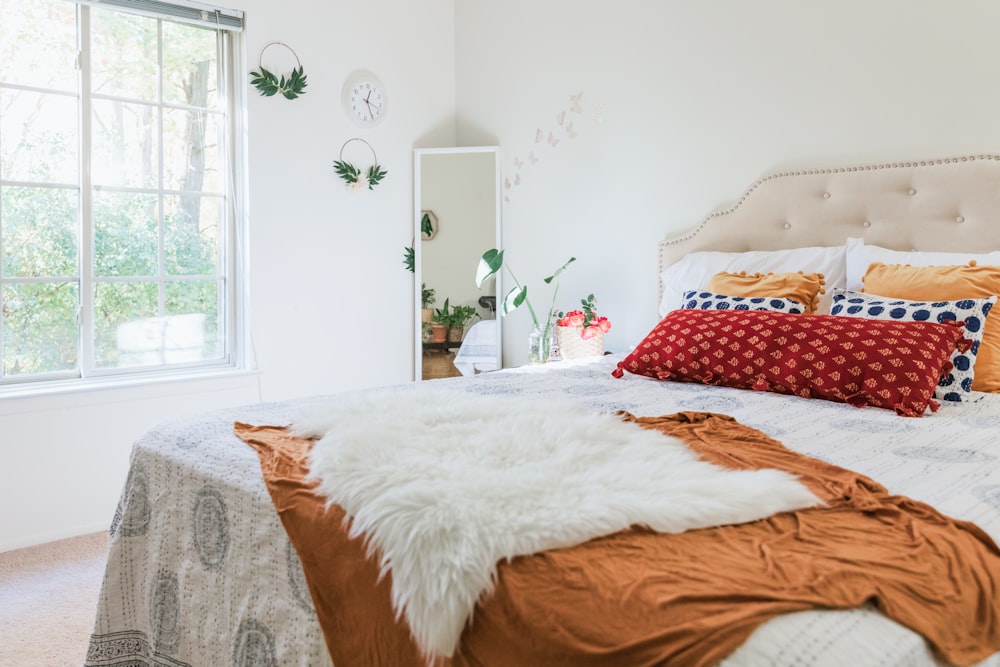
[
  {"x": 571, "y": 346},
  {"x": 455, "y": 334},
  {"x": 439, "y": 364}
]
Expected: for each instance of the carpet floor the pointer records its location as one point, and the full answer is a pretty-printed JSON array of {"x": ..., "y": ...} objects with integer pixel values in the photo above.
[{"x": 48, "y": 598}]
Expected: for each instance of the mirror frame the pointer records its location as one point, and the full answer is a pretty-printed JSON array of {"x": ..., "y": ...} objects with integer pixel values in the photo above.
[{"x": 418, "y": 348}]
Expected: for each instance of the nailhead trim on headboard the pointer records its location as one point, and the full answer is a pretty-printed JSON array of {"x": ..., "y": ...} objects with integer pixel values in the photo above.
[{"x": 672, "y": 244}]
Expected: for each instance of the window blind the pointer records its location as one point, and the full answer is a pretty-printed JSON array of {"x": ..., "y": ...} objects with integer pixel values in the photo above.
[{"x": 184, "y": 11}]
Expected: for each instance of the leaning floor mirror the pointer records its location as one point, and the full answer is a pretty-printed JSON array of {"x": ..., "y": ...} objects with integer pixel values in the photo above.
[{"x": 456, "y": 219}]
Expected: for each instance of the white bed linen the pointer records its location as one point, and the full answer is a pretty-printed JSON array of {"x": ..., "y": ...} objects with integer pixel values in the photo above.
[
  {"x": 201, "y": 572},
  {"x": 478, "y": 352}
]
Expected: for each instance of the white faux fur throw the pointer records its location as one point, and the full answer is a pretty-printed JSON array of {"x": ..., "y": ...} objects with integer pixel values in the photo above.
[{"x": 444, "y": 484}]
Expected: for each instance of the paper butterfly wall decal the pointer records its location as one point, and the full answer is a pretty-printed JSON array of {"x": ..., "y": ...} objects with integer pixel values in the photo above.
[{"x": 552, "y": 138}]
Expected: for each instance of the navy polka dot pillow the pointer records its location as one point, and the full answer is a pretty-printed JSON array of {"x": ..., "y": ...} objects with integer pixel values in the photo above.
[
  {"x": 695, "y": 300},
  {"x": 958, "y": 383}
]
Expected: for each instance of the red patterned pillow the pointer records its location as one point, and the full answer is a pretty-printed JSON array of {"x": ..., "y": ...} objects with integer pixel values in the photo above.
[{"x": 887, "y": 364}]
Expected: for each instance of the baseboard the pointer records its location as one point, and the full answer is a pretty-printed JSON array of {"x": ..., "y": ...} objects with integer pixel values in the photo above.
[{"x": 34, "y": 540}]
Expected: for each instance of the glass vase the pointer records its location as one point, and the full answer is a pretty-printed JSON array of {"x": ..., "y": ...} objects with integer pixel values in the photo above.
[{"x": 542, "y": 345}]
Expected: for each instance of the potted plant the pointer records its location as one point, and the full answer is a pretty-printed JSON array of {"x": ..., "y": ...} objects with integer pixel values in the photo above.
[
  {"x": 427, "y": 300},
  {"x": 440, "y": 321},
  {"x": 460, "y": 316},
  {"x": 581, "y": 332}
]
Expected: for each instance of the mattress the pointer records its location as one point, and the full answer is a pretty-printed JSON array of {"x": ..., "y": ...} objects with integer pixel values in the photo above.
[{"x": 201, "y": 571}]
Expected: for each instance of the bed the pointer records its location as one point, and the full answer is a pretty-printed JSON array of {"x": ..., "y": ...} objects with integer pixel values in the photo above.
[{"x": 201, "y": 570}]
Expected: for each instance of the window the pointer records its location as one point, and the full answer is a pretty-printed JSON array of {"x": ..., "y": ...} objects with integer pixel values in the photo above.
[{"x": 119, "y": 165}]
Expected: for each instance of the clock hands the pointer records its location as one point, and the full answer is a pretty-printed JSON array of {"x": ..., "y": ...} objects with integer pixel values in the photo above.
[{"x": 371, "y": 104}]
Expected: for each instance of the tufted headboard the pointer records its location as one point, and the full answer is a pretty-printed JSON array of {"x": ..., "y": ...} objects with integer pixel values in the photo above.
[{"x": 952, "y": 204}]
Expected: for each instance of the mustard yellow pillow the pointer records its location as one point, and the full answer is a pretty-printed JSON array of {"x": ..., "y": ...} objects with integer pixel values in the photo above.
[
  {"x": 947, "y": 283},
  {"x": 803, "y": 287}
]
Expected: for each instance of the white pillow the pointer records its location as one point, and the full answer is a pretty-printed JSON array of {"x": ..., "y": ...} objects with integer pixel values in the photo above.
[
  {"x": 695, "y": 270},
  {"x": 860, "y": 256}
]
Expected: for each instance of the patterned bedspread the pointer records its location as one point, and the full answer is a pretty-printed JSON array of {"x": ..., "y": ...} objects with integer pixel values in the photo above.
[{"x": 201, "y": 572}]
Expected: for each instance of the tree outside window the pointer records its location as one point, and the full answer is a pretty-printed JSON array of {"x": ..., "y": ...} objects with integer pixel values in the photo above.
[{"x": 116, "y": 220}]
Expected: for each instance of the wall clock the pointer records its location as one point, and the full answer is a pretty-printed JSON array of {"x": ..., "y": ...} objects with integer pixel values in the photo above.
[{"x": 364, "y": 98}]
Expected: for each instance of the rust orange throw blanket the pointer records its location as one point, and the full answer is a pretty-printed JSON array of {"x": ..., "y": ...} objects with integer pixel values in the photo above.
[{"x": 642, "y": 598}]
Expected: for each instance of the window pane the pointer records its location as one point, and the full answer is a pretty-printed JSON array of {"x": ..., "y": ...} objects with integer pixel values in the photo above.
[
  {"x": 38, "y": 137},
  {"x": 49, "y": 62},
  {"x": 152, "y": 205},
  {"x": 190, "y": 235},
  {"x": 190, "y": 76},
  {"x": 123, "y": 55},
  {"x": 39, "y": 328},
  {"x": 193, "y": 308},
  {"x": 191, "y": 150},
  {"x": 38, "y": 236},
  {"x": 125, "y": 234},
  {"x": 125, "y": 144},
  {"x": 126, "y": 329}
]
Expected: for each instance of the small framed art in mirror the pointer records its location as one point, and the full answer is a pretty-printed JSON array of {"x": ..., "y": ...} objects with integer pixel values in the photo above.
[{"x": 428, "y": 224}]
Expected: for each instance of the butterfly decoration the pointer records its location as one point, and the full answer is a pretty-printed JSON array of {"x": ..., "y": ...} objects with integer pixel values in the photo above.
[{"x": 549, "y": 136}]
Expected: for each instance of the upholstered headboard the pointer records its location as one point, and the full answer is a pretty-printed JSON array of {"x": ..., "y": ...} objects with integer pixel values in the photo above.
[{"x": 951, "y": 204}]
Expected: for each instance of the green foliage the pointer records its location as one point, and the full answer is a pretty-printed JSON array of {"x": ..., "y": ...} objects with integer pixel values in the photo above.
[
  {"x": 346, "y": 170},
  {"x": 269, "y": 84},
  {"x": 427, "y": 297},
  {"x": 375, "y": 176},
  {"x": 454, "y": 316},
  {"x": 426, "y": 226},
  {"x": 409, "y": 259},
  {"x": 462, "y": 315},
  {"x": 351, "y": 174},
  {"x": 492, "y": 261},
  {"x": 40, "y": 329},
  {"x": 442, "y": 315}
]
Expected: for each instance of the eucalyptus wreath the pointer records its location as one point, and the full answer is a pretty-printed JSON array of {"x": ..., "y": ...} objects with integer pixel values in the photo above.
[
  {"x": 268, "y": 83},
  {"x": 358, "y": 179}
]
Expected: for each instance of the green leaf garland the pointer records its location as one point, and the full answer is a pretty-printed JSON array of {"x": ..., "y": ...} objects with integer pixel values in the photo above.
[
  {"x": 269, "y": 84},
  {"x": 355, "y": 178}
]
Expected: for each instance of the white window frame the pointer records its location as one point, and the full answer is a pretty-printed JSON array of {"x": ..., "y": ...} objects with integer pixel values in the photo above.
[{"x": 233, "y": 279}]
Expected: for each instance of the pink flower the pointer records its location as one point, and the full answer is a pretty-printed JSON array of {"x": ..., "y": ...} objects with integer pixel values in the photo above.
[
  {"x": 573, "y": 318},
  {"x": 603, "y": 323},
  {"x": 590, "y": 332}
]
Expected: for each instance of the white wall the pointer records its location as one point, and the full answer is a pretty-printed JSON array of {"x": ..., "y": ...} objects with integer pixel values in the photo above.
[
  {"x": 331, "y": 301},
  {"x": 685, "y": 103}
]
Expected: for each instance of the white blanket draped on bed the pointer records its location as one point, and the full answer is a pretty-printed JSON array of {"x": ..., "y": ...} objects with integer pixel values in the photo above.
[{"x": 453, "y": 483}]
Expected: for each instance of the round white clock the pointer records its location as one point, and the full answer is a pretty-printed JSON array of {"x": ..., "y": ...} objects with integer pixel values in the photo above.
[{"x": 364, "y": 98}]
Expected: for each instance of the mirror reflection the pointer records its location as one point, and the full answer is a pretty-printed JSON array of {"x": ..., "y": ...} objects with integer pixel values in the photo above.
[
  {"x": 428, "y": 225},
  {"x": 457, "y": 205}
]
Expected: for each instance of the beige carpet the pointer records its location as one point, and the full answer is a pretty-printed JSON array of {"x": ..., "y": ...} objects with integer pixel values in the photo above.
[{"x": 48, "y": 598}]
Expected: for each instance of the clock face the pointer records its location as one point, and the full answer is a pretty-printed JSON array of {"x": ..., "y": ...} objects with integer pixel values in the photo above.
[{"x": 364, "y": 100}]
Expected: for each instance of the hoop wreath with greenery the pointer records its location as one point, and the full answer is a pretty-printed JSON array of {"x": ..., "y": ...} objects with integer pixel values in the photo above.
[
  {"x": 269, "y": 84},
  {"x": 355, "y": 178}
]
